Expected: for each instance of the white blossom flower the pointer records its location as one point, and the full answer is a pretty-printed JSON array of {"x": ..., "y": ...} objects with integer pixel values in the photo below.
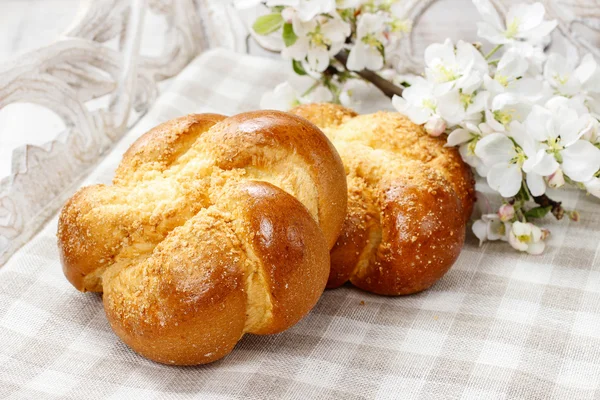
[
  {"x": 418, "y": 102},
  {"x": 421, "y": 101},
  {"x": 367, "y": 52},
  {"x": 490, "y": 227},
  {"x": 511, "y": 67},
  {"x": 567, "y": 80},
  {"x": 466, "y": 137},
  {"x": 509, "y": 78},
  {"x": 504, "y": 160},
  {"x": 560, "y": 129},
  {"x": 317, "y": 42},
  {"x": 462, "y": 68},
  {"x": 353, "y": 91},
  {"x": 524, "y": 236},
  {"x": 537, "y": 162},
  {"x": 285, "y": 96},
  {"x": 533, "y": 53},
  {"x": 398, "y": 23},
  {"x": 282, "y": 98},
  {"x": 319, "y": 95},
  {"x": 506, "y": 108},
  {"x": 524, "y": 22}
]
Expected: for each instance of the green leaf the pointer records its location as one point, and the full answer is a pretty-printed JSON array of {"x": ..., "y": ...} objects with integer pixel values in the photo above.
[
  {"x": 298, "y": 68},
  {"x": 266, "y": 24},
  {"x": 289, "y": 36},
  {"x": 537, "y": 212}
]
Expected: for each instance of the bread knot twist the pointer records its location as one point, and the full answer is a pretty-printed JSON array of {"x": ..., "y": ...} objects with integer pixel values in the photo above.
[{"x": 213, "y": 227}]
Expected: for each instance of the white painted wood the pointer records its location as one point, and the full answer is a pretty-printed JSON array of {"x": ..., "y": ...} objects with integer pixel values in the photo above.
[{"x": 98, "y": 56}]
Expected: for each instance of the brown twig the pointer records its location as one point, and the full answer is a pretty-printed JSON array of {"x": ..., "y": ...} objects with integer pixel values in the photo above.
[
  {"x": 386, "y": 87},
  {"x": 545, "y": 201}
]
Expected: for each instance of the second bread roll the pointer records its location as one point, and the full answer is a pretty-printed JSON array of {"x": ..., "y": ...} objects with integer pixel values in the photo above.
[{"x": 409, "y": 198}]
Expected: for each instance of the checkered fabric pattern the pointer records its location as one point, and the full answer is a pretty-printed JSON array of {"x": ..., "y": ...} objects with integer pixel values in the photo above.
[{"x": 499, "y": 325}]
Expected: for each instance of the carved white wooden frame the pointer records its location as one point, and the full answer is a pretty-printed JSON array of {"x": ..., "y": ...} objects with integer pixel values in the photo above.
[
  {"x": 65, "y": 75},
  {"x": 79, "y": 67}
]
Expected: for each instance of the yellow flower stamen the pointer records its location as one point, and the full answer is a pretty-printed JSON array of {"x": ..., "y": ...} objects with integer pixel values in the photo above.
[
  {"x": 466, "y": 99},
  {"x": 427, "y": 103},
  {"x": 520, "y": 158},
  {"x": 445, "y": 74},
  {"x": 561, "y": 79},
  {"x": 401, "y": 26},
  {"x": 471, "y": 146},
  {"x": 371, "y": 40},
  {"x": 317, "y": 39},
  {"x": 501, "y": 79},
  {"x": 505, "y": 117},
  {"x": 512, "y": 29}
]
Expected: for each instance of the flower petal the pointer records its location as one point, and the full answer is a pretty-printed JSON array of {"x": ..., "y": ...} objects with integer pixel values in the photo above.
[
  {"x": 489, "y": 13},
  {"x": 505, "y": 178},
  {"x": 545, "y": 164},
  {"x": 440, "y": 53},
  {"x": 458, "y": 136},
  {"x": 480, "y": 230},
  {"x": 417, "y": 115},
  {"x": 469, "y": 58},
  {"x": 512, "y": 65},
  {"x": 593, "y": 186},
  {"x": 491, "y": 34},
  {"x": 536, "y": 248},
  {"x": 540, "y": 31},
  {"x": 373, "y": 59},
  {"x": 528, "y": 15},
  {"x": 536, "y": 123},
  {"x": 356, "y": 58},
  {"x": 495, "y": 148},
  {"x": 282, "y": 98},
  {"x": 450, "y": 108},
  {"x": 536, "y": 184},
  {"x": 318, "y": 59},
  {"x": 581, "y": 161}
]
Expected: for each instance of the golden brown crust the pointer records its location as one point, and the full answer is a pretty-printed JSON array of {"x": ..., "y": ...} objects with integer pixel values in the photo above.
[
  {"x": 196, "y": 243},
  {"x": 265, "y": 139},
  {"x": 409, "y": 198},
  {"x": 158, "y": 148}
]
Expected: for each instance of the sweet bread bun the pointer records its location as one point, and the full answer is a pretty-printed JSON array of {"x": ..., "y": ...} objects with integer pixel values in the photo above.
[
  {"x": 409, "y": 198},
  {"x": 213, "y": 227}
]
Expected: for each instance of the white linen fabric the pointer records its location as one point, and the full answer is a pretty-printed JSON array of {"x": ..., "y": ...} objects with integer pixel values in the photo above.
[{"x": 499, "y": 325}]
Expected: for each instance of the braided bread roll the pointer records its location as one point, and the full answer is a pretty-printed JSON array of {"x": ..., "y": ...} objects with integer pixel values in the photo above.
[
  {"x": 409, "y": 198},
  {"x": 214, "y": 227}
]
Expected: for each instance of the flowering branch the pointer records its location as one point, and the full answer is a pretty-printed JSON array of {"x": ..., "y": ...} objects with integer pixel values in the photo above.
[
  {"x": 387, "y": 88},
  {"x": 524, "y": 121},
  {"x": 555, "y": 206}
]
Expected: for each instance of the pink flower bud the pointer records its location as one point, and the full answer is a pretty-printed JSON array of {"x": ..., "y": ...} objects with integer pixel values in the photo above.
[
  {"x": 557, "y": 179},
  {"x": 287, "y": 14},
  {"x": 435, "y": 126},
  {"x": 573, "y": 215},
  {"x": 506, "y": 212},
  {"x": 545, "y": 233}
]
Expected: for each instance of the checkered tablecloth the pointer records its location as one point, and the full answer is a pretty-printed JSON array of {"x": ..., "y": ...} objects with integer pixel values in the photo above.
[{"x": 499, "y": 325}]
